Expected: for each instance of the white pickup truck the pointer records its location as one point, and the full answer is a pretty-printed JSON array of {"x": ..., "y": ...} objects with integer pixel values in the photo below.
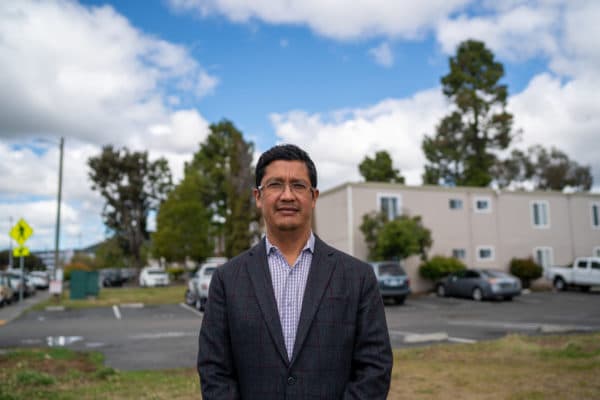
[{"x": 584, "y": 273}]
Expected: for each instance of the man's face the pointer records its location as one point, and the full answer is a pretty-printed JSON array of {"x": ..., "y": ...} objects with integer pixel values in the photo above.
[{"x": 284, "y": 204}]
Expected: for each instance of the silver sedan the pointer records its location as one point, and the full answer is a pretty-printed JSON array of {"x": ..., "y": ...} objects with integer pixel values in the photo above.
[{"x": 479, "y": 284}]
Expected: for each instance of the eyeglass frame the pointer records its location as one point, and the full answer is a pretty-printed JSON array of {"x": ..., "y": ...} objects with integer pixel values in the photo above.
[{"x": 308, "y": 187}]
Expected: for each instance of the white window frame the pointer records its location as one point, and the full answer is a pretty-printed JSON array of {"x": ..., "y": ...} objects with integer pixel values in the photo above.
[
  {"x": 592, "y": 205},
  {"x": 492, "y": 253},
  {"x": 458, "y": 200},
  {"x": 532, "y": 206},
  {"x": 482, "y": 198},
  {"x": 596, "y": 251},
  {"x": 550, "y": 260},
  {"x": 460, "y": 249},
  {"x": 398, "y": 198}
]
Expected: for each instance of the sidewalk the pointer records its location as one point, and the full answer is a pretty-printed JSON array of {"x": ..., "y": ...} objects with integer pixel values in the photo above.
[{"x": 14, "y": 310}]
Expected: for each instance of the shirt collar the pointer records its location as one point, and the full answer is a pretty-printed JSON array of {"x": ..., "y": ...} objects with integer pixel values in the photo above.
[{"x": 310, "y": 244}]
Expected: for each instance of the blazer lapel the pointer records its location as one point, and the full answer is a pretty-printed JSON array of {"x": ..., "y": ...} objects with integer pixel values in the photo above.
[
  {"x": 321, "y": 268},
  {"x": 258, "y": 269}
]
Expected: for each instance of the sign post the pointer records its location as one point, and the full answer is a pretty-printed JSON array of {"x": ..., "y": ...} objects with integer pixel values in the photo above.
[{"x": 20, "y": 233}]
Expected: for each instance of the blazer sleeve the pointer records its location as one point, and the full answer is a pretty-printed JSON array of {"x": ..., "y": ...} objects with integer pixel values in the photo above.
[
  {"x": 215, "y": 365},
  {"x": 372, "y": 359}
]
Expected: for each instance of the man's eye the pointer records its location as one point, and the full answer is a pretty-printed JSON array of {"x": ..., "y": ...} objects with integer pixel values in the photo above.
[
  {"x": 299, "y": 186},
  {"x": 274, "y": 185}
]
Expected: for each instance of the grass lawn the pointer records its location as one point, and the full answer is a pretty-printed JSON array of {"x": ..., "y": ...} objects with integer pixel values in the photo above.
[
  {"x": 515, "y": 367},
  {"x": 110, "y": 296}
]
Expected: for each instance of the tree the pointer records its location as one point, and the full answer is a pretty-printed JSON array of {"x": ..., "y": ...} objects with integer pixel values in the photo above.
[
  {"x": 183, "y": 224},
  {"x": 462, "y": 152},
  {"x": 30, "y": 262},
  {"x": 223, "y": 170},
  {"x": 543, "y": 169},
  {"x": 396, "y": 239},
  {"x": 110, "y": 254},
  {"x": 380, "y": 169},
  {"x": 132, "y": 186}
]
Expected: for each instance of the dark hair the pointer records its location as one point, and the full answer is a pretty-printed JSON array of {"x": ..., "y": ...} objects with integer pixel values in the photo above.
[{"x": 287, "y": 152}]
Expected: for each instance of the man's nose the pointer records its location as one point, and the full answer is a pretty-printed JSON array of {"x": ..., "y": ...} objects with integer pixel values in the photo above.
[{"x": 287, "y": 192}]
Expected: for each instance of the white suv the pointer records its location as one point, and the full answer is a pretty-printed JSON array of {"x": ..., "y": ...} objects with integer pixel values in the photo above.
[
  {"x": 153, "y": 276},
  {"x": 197, "y": 291}
]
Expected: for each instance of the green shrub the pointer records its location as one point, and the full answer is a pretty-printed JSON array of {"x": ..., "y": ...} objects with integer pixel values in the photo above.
[
  {"x": 175, "y": 272},
  {"x": 439, "y": 266},
  {"x": 526, "y": 269}
]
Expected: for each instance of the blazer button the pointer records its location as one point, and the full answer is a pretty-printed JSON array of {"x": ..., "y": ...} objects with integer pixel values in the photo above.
[{"x": 291, "y": 380}]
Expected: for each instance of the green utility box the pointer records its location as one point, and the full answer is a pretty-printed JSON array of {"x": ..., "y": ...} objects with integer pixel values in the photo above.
[{"x": 84, "y": 284}]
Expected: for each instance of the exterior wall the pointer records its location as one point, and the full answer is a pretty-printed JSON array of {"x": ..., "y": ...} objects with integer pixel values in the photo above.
[
  {"x": 331, "y": 220},
  {"x": 507, "y": 227}
]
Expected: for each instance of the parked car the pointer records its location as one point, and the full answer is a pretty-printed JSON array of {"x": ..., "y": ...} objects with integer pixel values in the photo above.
[
  {"x": 14, "y": 275},
  {"x": 393, "y": 281},
  {"x": 197, "y": 290},
  {"x": 111, "y": 277},
  {"x": 479, "y": 284},
  {"x": 6, "y": 292},
  {"x": 583, "y": 273},
  {"x": 39, "y": 279},
  {"x": 153, "y": 276}
]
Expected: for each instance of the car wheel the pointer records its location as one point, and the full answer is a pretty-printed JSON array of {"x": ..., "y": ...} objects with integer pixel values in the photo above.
[
  {"x": 441, "y": 291},
  {"x": 189, "y": 297},
  {"x": 508, "y": 298},
  {"x": 559, "y": 284},
  {"x": 399, "y": 299},
  {"x": 584, "y": 288},
  {"x": 477, "y": 294}
]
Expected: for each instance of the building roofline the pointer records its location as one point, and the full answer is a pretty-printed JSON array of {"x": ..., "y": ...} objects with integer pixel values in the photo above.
[{"x": 455, "y": 189}]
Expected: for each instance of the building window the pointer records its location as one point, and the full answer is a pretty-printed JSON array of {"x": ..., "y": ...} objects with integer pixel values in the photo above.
[
  {"x": 596, "y": 215},
  {"x": 389, "y": 205},
  {"x": 485, "y": 253},
  {"x": 460, "y": 254},
  {"x": 482, "y": 204},
  {"x": 596, "y": 252},
  {"x": 540, "y": 215},
  {"x": 455, "y": 204},
  {"x": 543, "y": 256}
]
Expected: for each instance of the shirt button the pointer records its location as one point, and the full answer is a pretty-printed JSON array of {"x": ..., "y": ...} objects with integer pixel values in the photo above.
[{"x": 291, "y": 380}]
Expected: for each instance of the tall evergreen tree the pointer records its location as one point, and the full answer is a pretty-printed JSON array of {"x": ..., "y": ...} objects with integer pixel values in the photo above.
[
  {"x": 462, "y": 150},
  {"x": 223, "y": 165}
]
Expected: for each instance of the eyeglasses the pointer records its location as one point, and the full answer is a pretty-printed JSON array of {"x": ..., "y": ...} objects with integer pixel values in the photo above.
[{"x": 278, "y": 187}]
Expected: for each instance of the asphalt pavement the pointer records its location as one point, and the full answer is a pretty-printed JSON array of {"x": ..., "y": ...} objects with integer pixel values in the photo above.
[
  {"x": 12, "y": 311},
  {"x": 139, "y": 337}
]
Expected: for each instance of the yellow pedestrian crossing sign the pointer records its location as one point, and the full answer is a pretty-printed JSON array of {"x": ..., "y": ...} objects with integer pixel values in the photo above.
[
  {"x": 21, "y": 251},
  {"x": 21, "y": 232}
]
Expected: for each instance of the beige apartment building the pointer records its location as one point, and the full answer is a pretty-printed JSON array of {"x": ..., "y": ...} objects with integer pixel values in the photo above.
[{"x": 485, "y": 228}]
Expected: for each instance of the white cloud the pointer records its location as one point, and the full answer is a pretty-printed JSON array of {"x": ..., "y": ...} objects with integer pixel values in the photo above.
[
  {"x": 382, "y": 55},
  {"x": 564, "y": 115},
  {"x": 340, "y": 140},
  {"x": 333, "y": 18},
  {"x": 85, "y": 73}
]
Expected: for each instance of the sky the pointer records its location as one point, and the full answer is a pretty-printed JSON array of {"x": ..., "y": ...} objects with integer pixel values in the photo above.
[{"x": 342, "y": 81}]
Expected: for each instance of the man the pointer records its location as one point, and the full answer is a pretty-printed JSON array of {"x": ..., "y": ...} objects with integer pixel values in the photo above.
[{"x": 293, "y": 318}]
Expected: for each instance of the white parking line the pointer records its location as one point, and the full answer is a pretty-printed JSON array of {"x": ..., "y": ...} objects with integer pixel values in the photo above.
[
  {"x": 192, "y": 309},
  {"x": 117, "y": 312}
]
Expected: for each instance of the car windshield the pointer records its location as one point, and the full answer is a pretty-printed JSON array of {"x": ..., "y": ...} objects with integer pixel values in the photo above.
[
  {"x": 391, "y": 269},
  {"x": 209, "y": 271}
]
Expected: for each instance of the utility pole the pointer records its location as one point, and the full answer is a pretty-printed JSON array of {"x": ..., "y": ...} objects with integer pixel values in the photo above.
[
  {"x": 10, "y": 251},
  {"x": 57, "y": 233}
]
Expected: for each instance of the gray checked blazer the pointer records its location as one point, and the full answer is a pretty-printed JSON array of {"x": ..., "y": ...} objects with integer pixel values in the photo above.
[{"x": 342, "y": 348}]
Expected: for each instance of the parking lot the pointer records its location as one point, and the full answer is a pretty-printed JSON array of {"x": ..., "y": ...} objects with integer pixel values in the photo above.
[{"x": 136, "y": 337}]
